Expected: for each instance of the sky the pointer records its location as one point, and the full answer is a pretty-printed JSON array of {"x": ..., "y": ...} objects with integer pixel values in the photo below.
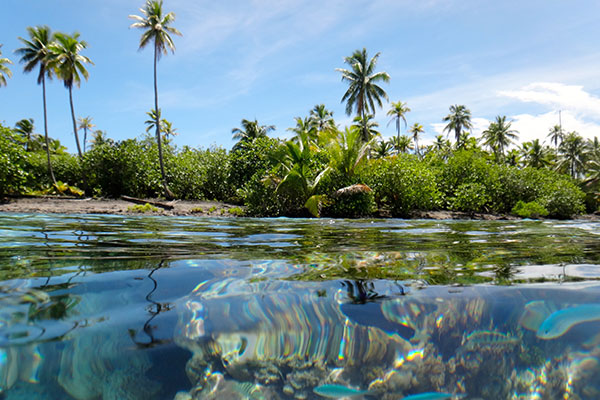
[{"x": 273, "y": 60}]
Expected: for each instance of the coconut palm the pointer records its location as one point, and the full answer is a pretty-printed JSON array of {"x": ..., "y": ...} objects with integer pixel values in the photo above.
[
  {"x": 572, "y": 154},
  {"x": 25, "y": 128},
  {"x": 305, "y": 129},
  {"x": 157, "y": 29},
  {"x": 98, "y": 138},
  {"x": 398, "y": 113},
  {"x": 69, "y": 65},
  {"x": 366, "y": 126},
  {"x": 321, "y": 118},
  {"x": 85, "y": 123},
  {"x": 349, "y": 151},
  {"x": 498, "y": 136},
  {"x": 416, "y": 129},
  {"x": 4, "y": 70},
  {"x": 35, "y": 54},
  {"x": 382, "y": 149},
  {"x": 401, "y": 144},
  {"x": 250, "y": 130},
  {"x": 458, "y": 119},
  {"x": 535, "y": 154},
  {"x": 363, "y": 91},
  {"x": 556, "y": 135}
]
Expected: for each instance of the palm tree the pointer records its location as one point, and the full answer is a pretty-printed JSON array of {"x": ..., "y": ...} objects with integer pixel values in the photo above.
[
  {"x": 251, "y": 130},
  {"x": 69, "y": 67},
  {"x": 498, "y": 136},
  {"x": 556, "y": 135},
  {"x": 401, "y": 144},
  {"x": 305, "y": 129},
  {"x": 363, "y": 92},
  {"x": 35, "y": 53},
  {"x": 398, "y": 113},
  {"x": 535, "y": 154},
  {"x": 98, "y": 138},
  {"x": 366, "y": 126},
  {"x": 25, "y": 128},
  {"x": 458, "y": 119},
  {"x": 416, "y": 129},
  {"x": 85, "y": 123},
  {"x": 4, "y": 71},
  {"x": 382, "y": 149},
  {"x": 321, "y": 118},
  {"x": 157, "y": 29},
  {"x": 572, "y": 154},
  {"x": 349, "y": 151}
]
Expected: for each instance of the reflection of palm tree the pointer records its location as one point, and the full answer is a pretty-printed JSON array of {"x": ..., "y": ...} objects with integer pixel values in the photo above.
[{"x": 361, "y": 292}]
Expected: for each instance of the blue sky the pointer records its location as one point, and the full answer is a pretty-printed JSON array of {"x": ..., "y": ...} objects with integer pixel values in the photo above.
[{"x": 274, "y": 60}]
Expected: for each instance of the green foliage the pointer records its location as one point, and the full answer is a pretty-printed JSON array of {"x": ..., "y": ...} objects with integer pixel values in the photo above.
[
  {"x": 355, "y": 205},
  {"x": 13, "y": 162},
  {"x": 143, "y": 209},
  {"x": 249, "y": 159},
  {"x": 533, "y": 209},
  {"x": 402, "y": 184},
  {"x": 563, "y": 198},
  {"x": 236, "y": 211},
  {"x": 212, "y": 209},
  {"x": 197, "y": 210},
  {"x": 470, "y": 197}
]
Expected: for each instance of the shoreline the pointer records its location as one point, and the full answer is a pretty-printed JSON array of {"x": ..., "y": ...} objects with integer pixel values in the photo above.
[{"x": 57, "y": 205}]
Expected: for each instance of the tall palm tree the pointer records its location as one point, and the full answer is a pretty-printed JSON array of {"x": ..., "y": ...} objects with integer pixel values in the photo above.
[
  {"x": 69, "y": 66},
  {"x": 305, "y": 129},
  {"x": 366, "y": 126},
  {"x": 157, "y": 29},
  {"x": 441, "y": 144},
  {"x": 535, "y": 154},
  {"x": 458, "y": 119},
  {"x": 251, "y": 130},
  {"x": 382, "y": 149},
  {"x": 572, "y": 154},
  {"x": 556, "y": 135},
  {"x": 402, "y": 144},
  {"x": 34, "y": 53},
  {"x": 85, "y": 123},
  {"x": 25, "y": 128},
  {"x": 363, "y": 91},
  {"x": 4, "y": 71},
  {"x": 416, "y": 129},
  {"x": 398, "y": 113},
  {"x": 498, "y": 136},
  {"x": 321, "y": 118}
]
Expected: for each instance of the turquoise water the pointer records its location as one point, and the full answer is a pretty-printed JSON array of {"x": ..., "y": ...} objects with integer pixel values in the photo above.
[{"x": 113, "y": 307}]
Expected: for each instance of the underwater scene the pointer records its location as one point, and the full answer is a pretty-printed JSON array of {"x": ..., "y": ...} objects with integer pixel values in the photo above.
[{"x": 119, "y": 307}]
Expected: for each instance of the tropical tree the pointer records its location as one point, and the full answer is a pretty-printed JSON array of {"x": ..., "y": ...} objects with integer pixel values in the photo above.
[
  {"x": 440, "y": 144},
  {"x": 458, "y": 119},
  {"x": 535, "y": 154},
  {"x": 99, "y": 137},
  {"x": 572, "y": 154},
  {"x": 305, "y": 129},
  {"x": 69, "y": 66},
  {"x": 498, "y": 136},
  {"x": 4, "y": 70},
  {"x": 382, "y": 149},
  {"x": 398, "y": 113},
  {"x": 366, "y": 126},
  {"x": 157, "y": 29},
  {"x": 25, "y": 128},
  {"x": 556, "y": 135},
  {"x": 416, "y": 129},
  {"x": 349, "y": 151},
  {"x": 401, "y": 144},
  {"x": 85, "y": 123},
  {"x": 35, "y": 53},
  {"x": 363, "y": 92},
  {"x": 321, "y": 118},
  {"x": 250, "y": 130}
]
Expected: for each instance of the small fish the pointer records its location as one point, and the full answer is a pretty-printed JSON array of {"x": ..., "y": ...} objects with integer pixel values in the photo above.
[
  {"x": 332, "y": 391},
  {"x": 488, "y": 339},
  {"x": 559, "y": 322},
  {"x": 433, "y": 396}
]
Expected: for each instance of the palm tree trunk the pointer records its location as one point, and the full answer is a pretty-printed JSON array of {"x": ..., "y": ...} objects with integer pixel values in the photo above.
[
  {"x": 74, "y": 124},
  {"x": 46, "y": 130},
  {"x": 84, "y": 137},
  {"x": 168, "y": 193}
]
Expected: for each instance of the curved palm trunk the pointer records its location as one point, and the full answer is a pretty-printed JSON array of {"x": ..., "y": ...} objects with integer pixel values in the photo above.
[
  {"x": 46, "y": 130},
  {"x": 417, "y": 148},
  {"x": 84, "y": 137},
  {"x": 168, "y": 192},
  {"x": 74, "y": 123}
]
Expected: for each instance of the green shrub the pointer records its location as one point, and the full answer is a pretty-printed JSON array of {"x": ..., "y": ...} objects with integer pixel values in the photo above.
[
  {"x": 236, "y": 211},
  {"x": 402, "y": 184},
  {"x": 249, "y": 159},
  {"x": 470, "y": 197},
  {"x": 354, "y": 205},
  {"x": 14, "y": 162},
  {"x": 532, "y": 209},
  {"x": 143, "y": 209},
  {"x": 563, "y": 198}
]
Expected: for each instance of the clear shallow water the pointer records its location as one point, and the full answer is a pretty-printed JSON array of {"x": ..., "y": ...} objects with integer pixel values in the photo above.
[{"x": 113, "y": 307}]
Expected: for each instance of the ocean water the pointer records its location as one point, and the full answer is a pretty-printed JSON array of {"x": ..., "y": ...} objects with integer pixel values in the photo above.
[{"x": 114, "y": 307}]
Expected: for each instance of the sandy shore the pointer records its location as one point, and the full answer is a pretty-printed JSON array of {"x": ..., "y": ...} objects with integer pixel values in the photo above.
[{"x": 110, "y": 206}]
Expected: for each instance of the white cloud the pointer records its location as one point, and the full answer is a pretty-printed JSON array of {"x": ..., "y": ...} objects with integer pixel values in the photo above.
[
  {"x": 532, "y": 127},
  {"x": 571, "y": 98}
]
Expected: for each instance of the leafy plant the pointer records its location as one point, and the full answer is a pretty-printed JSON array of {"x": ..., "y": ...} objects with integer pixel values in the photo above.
[
  {"x": 143, "y": 209},
  {"x": 533, "y": 209},
  {"x": 236, "y": 211}
]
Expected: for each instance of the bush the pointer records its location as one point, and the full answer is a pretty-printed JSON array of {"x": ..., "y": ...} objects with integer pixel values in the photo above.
[
  {"x": 14, "y": 162},
  {"x": 403, "y": 184},
  {"x": 470, "y": 197},
  {"x": 353, "y": 205},
  {"x": 532, "y": 209},
  {"x": 249, "y": 159},
  {"x": 563, "y": 198}
]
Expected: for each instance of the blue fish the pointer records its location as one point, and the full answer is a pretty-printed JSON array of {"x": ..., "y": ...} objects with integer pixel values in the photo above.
[
  {"x": 559, "y": 322},
  {"x": 433, "y": 396},
  {"x": 336, "y": 391}
]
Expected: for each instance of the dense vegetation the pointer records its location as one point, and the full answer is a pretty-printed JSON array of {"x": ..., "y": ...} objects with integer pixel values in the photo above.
[{"x": 323, "y": 170}]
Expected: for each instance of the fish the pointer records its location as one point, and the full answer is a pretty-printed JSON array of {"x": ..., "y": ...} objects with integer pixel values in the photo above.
[
  {"x": 433, "y": 396},
  {"x": 488, "y": 339},
  {"x": 559, "y": 322},
  {"x": 333, "y": 391}
]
